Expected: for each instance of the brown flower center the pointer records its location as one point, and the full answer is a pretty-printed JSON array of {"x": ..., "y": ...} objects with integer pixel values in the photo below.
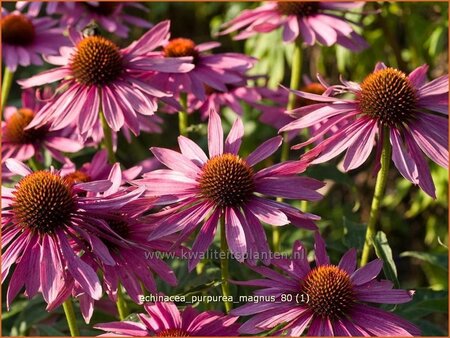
[
  {"x": 388, "y": 96},
  {"x": 97, "y": 61},
  {"x": 43, "y": 202},
  {"x": 227, "y": 180},
  {"x": 17, "y": 30},
  {"x": 77, "y": 177},
  {"x": 104, "y": 8},
  {"x": 172, "y": 333},
  {"x": 180, "y": 47},
  {"x": 329, "y": 290},
  {"x": 300, "y": 8},
  {"x": 15, "y": 128},
  {"x": 312, "y": 88}
]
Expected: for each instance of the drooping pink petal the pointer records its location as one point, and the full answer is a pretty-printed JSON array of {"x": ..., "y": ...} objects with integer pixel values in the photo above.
[
  {"x": 287, "y": 187},
  {"x": 291, "y": 29},
  {"x": 359, "y": 151},
  {"x": 204, "y": 238},
  {"x": 433, "y": 144},
  {"x": 384, "y": 296},
  {"x": 192, "y": 151},
  {"x": 48, "y": 76},
  {"x": 320, "y": 250},
  {"x": 52, "y": 280},
  {"x": 176, "y": 161},
  {"x": 124, "y": 328},
  {"x": 215, "y": 135},
  {"x": 402, "y": 159},
  {"x": 382, "y": 323},
  {"x": 17, "y": 167},
  {"x": 80, "y": 271},
  {"x": 267, "y": 213}
]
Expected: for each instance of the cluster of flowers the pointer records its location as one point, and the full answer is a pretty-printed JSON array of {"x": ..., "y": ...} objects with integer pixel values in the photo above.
[{"x": 61, "y": 227}]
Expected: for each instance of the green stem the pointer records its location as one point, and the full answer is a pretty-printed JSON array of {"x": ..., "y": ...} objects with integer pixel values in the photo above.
[
  {"x": 224, "y": 264},
  {"x": 107, "y": 138},
  {"x": 34, "y": 165},
  {"x": 296, "y": 71},
  {"x": 8, "y": 77},
  {"x": 121, "y": 304},
  {"x": 183, "y": 116},
  {"x": 71, "y": 319},
  {"x": 380, "y": 186}
]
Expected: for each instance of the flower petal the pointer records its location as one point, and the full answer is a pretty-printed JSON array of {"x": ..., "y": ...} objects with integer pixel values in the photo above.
[
  {"x": 235, "y": 234},
  {"x": 234, "y": 138},
  {"x": 264, "y": 150},
  {"x": 367, "y": 273},
  {"x": 192, "y": 151},
  {"x": 176, "y": 161},
  {"x": 215, "y": 134}
]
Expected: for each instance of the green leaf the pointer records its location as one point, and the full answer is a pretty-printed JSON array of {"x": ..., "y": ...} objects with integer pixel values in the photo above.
[
  {"x": 425, "y": 302},
  {"x": 429, "y": 329},
  {"x": 439, "y": 260},
  {"x": 383, "y": 251},
  {"x": 46, "y": 330}
]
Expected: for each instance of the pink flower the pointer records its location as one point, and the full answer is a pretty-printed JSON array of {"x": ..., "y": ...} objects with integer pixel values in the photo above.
[
  {"x": 216, "y": 71},
  {"x": 200, "y": 189},
  {"x": 25, "y": 38},
  {"x": 405, "y": 106},
  {"x": 22, "y": 143},
  {"x": 312, "y": 21},
  {"x": 328, "y": 298},
  {"x": 43, "y": 218},
  {"x": 232, "y": 98},
  {"x": 138, "y": 261},
  {"x": 165, "y": 320},
  {"x": 96, "y": 73},
  {"x": 99, "y": 169},
  {"x": 107, "y": 14}
]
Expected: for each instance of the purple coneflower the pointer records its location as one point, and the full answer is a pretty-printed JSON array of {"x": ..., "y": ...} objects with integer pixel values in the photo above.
[
  {"x": 233, "y": 98},
  {"x": 213, "y": 70},
  {"x": 25, "y": 38},
  {"x": 110, "y": 15},
  {"x": 328, "y": 299},
  {"x": 412, "y": 112},
  {"x": 313, "y": 21},
  {"x": 165, "y": 320},
  {"x": 96, "y": 73},
  {"x": 21, "y": 143},
  {"x": 43, "y": 216},
  {"x": 137, "y": 261},
  {"x": 199, "y": 189}
]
